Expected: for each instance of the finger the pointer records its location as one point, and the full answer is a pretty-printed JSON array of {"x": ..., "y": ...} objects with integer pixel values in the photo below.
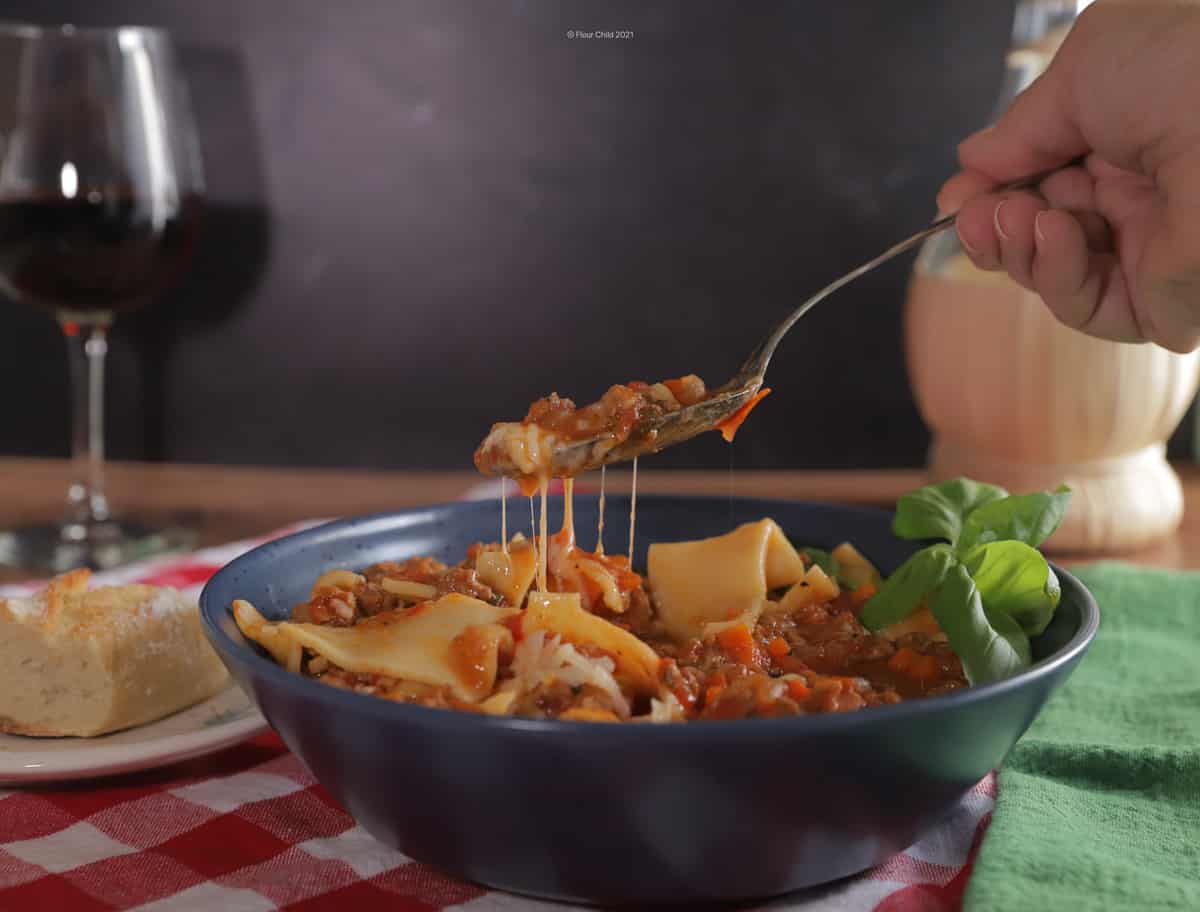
[
  {"x": 1100, "y": 169},
  {"x": 1074, "y": 190},
  {"x": 1039, "y": 130},
  {"x": 1083, "y": 290},
  {"x": 1165, "y": 307},
  {"x": 977, "y": 231},
  {"x": 1126, "y": 198},
  {"x": 961, "y": 187},
  {"x": 1068, "y": 189},
  {"x": 1096, "y": 230},
  {"x": 1012, "y": 220},
  {"x": 1166, "y": 297}
]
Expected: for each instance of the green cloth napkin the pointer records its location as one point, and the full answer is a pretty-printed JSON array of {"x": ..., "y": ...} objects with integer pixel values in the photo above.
[{"x": 1099, "y": 803}]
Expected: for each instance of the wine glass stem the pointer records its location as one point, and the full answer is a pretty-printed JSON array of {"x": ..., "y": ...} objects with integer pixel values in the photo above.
[{"x": 87, "y": 345}]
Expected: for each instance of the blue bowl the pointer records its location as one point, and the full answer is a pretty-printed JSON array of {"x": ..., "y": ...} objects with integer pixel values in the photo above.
[{"x": 702, "y": 812}]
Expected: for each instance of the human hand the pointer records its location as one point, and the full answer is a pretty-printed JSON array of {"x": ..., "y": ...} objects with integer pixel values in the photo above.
[{"x": 1113, "y": 247}]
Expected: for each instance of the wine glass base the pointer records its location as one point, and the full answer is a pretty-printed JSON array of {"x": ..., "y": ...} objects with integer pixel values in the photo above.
[{"x": 56, "y": 547}]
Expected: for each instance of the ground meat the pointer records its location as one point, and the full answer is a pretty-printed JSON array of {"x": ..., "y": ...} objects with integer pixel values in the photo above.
[
  {"x": 373, "y": 599},
  {"x": 832, "y": 694},
  {"x": 638, "y": 617},
  {"x": 623, "y": 407},
  {"x": 826, "y": 639},
  {"x": 393, "y": 689},
  {"x": 464, "y": 581},
  {"x": 417, "y": 569},
  {"x": 334, "y": 608},
  {"x": 549, "y": 701},
  {"x": 751, "y": 696},
  {"x": 817, "y": 658},
  {"x": 359, "y": 683},
  {"x": 685, "y": 683}
]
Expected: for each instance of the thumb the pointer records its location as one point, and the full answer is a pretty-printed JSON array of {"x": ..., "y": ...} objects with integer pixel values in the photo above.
[{"x": 1039, "y": 130}]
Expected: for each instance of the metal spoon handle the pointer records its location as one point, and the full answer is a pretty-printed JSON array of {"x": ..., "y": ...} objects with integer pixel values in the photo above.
[{"x": 756, "y": 364}]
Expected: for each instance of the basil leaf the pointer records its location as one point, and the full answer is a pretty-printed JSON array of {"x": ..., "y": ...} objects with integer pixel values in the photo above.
[
  {"x": 990, "y": 645},
  {"x": 1014, "y": 579},
  {"x": 904, "y": 590},
  {"x": 1028, "y": 518},
  {"x": 939, "y": 510},
  {"x": 824, "y": 560}
]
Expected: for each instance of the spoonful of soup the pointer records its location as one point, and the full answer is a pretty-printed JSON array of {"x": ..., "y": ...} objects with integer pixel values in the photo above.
[{"x": 558, "y": 440}]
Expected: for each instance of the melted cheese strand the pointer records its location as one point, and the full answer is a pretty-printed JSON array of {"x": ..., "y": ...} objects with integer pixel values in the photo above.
[
  {"x": 543, "y": 485},
  {"x": 532, "y": 523},
  {"x": 632, "y": 509},
  {"x": 600, "y": 524},
  {"x": 503, "y": 514},
  {"x": 568, "y": 526}
]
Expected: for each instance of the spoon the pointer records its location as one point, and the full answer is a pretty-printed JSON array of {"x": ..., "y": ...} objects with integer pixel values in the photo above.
[{"x": 577, "y": 456}]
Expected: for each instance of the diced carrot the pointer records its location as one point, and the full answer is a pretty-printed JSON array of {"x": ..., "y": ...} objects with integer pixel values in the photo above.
[
  {"x": 903, "y": 659},
  {"x": 675, "y": 386},
  {"x": 924, "y": 668},
  {"x": 797, "y": 689},
  {"x": 909, "y": 661},
  {"x": 730, "y": 425},
  {"x": 713, "y": 690},
  {"x": 778, "y": 647},
  {"x": 863, "y": 592},
  {"x": 738, "y": 644}
]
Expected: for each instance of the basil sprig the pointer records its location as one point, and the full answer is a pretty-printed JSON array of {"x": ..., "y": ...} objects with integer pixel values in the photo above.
[{"x": 987, "y": 585}]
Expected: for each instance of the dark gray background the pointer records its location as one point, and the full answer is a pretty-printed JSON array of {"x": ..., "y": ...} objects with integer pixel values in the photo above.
[{"x": 422, "y": 215}]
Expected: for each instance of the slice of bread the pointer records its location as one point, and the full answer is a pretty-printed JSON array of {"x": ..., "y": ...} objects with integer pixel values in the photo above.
[{"x": 80, "y": 662}]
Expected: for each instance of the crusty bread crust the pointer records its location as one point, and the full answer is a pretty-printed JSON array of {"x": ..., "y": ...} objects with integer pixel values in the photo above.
[
  {"x": 13, "y": 727},
  {"x": 80, "y": 662}
]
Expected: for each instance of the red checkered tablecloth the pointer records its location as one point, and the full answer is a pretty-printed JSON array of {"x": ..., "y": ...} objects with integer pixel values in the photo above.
[{"x": 249, "y": 829}]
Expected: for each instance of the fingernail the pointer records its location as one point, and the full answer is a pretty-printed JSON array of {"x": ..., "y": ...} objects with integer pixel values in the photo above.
[
  {"x": 1037, "y": 227},
  {"x": 996, "y": 220},
  {"x": 966, "y": 245}
]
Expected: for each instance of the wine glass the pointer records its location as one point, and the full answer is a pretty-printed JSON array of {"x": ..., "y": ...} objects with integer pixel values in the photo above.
[{"x": 100, "y": 189}]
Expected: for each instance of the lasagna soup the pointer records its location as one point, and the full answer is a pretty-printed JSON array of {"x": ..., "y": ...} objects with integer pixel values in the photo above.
[
  {"x": 737, "y": 626},
  {"x": 621, "y": 413}
]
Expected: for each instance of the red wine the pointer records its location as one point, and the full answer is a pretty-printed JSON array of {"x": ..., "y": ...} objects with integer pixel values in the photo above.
[{"x": 109, "y": 254}]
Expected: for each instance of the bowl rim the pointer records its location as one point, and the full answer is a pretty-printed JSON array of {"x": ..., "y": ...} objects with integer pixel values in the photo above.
[{"x": 336, "y": 698}]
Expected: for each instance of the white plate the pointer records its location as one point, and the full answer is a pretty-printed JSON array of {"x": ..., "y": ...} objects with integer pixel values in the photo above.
[{"x": 220, "y": 721}]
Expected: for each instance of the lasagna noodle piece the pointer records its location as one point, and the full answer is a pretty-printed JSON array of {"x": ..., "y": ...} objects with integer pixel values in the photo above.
[
  {"x": 716, "y": 579},
  {"x": 920, "y": 621},
  {"x": 562, "y": 614},
  {"x": 814, "y": 588},
  {"x": 414, "y": 644},
  {"x": 512, "y": 573},
  {"x": 80, "y": 662},
  {"x": 525, "y": 446}
]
